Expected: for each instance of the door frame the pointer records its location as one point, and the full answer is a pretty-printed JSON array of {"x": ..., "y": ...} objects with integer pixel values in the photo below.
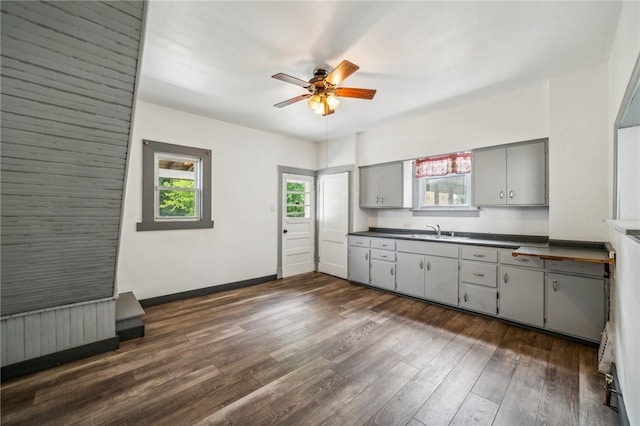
[{"x": 315, "y": 173}]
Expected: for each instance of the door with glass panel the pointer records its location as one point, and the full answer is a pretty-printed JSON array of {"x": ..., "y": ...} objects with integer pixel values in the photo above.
[{"x": 298, "y": 224}]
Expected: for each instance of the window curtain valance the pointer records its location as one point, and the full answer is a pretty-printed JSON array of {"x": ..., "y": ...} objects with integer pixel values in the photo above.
[{"x": 443, "y": 165}]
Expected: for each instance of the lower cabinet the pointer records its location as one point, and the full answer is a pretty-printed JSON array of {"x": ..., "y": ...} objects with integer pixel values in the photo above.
[
  {"x": 441, "y": 280},
  {"x": 383, "y": 274},
  {"x": 522, "y": 295},
  {"x": 576, "y": 305},
  {"x": 478, "y": 298},
  {"x": 562, "y": 296},
  {"x": 410, "y": 274},
  {"x": 359, "y": 264}
]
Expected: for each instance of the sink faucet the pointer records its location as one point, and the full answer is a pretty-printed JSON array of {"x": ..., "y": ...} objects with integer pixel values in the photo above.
[{"x": 436, "y": 229}]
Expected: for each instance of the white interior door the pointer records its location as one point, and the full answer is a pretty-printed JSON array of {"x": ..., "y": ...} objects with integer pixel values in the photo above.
[
  {"x": 333, "y": 223},
  {"x": 298, "y": 224}
]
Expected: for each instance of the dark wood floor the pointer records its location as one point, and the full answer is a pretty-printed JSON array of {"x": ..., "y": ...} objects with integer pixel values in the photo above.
[{"x": 317, "y": 350}]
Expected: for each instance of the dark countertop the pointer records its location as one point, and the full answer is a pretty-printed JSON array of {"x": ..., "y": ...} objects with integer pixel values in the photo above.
[{"x": 526, "y": 245}]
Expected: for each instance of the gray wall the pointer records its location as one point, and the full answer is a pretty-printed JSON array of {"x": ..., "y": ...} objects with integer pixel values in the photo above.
[{"x": 68, "y": 72}]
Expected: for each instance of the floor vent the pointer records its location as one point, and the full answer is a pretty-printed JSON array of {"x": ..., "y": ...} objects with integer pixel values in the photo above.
[{"x": 129, "y": 317}]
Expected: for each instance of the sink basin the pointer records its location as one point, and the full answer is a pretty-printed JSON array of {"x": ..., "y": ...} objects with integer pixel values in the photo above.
[{"x": 436, "y": 237}]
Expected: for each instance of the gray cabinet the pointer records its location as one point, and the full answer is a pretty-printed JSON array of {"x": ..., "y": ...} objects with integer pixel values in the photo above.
[
  {"x": 382, "y": 186},
  {"x": 383, "y": 263},
  {"x": 410, "y": 275},
  {"x": 478, "y": 280},
  {"x": 441, "y": 280},
  {"x": 383, "y": 274},
  {"x": 576, "y": 304},
  {"x": 435, "y": 263},
  {"x": 359, "y": 259},
  {"x": 522, "y": 295},
  {"x": 510, "y": 175}
]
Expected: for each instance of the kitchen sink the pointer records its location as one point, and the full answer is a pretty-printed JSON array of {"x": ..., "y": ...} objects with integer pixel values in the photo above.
[{"x": 436, "y": 237}]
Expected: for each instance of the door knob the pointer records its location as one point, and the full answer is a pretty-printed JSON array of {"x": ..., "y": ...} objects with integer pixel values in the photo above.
[{"x": 284, "y": 231}]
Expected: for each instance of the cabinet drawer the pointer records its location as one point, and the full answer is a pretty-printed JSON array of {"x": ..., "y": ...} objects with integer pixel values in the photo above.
[
  {"x": 389, "y": 256},
  {"x": 359, "y": 241},
  {"x": 383, "y": 243},
  {"x": 573, "y": 267},
  {"x": 479, "y": 273},
  {"x": 430, "y": 249},
  {"x": 528, "y": 261},
  {"x": 478, "y": 298},
  {"x": 481, "y": 254}
]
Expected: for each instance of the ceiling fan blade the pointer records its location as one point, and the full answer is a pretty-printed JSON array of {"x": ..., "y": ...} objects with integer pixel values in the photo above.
[
  {"x": 352, "y": 92},
  {"x": 342, "y": 71},
  {"x": 290, "y": 79},
  {"x": 292, "y": 100}
]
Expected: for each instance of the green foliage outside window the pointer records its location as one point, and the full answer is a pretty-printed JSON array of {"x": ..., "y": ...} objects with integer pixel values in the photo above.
[
  {"x": 177, "y": 203},
  {"x": 295, "y": 199}
]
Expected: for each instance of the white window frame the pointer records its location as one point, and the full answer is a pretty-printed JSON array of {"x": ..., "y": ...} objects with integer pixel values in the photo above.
[{"x": 197, "y": 189}]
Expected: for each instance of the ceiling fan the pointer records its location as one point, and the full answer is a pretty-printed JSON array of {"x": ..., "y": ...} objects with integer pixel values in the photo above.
[{"x": 323, "y": 92}]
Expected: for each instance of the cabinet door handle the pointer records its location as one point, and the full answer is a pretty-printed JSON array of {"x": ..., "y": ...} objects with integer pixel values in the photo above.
[
  {"x": 478, "y": 255},
  {"x": 428, "y": 266},
  {"x": 422, "y": 264},
  {"x": 505, "y": 278},
  {"x": 381, "y": 200},
  {"x": 366, "y": 256},
  {"x": 555, "y": 285},
  {"x": 465, "y": 297},
  {"x": 522, "y": 259},
  {"x": 510, "y": 194},
  {"x": 377, "y": 200},
  {"x": 478, "y": 274},
  {"x": 392, "y": 271},
  {"x": 501, "y": 195}
]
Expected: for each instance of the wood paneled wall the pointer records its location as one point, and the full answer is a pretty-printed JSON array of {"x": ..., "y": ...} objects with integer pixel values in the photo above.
[{"x": 68, "y": 72}]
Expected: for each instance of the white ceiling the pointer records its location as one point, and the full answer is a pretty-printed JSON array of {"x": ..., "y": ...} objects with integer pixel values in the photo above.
[{"x": 216, "y": 58}]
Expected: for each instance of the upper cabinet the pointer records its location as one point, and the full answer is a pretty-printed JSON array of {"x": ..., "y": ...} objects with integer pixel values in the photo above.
[
  {"x": 385, "y": 186},
  {"x": 511, "y": 174}
]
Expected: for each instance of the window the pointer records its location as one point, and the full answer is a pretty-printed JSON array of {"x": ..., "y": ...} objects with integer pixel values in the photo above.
[
  {"x": 298, "y": 199},
  {"x": 443, "y": 183},
  {"x": 176, "y": 187}
]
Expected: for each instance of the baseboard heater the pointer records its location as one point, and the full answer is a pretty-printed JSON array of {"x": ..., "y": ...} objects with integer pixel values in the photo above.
[{"x": 613, "y": 388}]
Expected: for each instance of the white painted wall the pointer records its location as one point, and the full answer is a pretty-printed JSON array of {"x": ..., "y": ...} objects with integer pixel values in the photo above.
[
  {"x": 625, "y": 292},
  {"x": 515, "y": 116},
  {"x": 337, "y": 152},
  {"x": 243, "y": 243},
  {"x": 578, "y": 152}
]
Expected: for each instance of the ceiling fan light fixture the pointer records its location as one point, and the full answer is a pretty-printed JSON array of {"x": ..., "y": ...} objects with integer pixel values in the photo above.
[
  {"x": 314, "y": 102},
  {"x": 332, "y": 101},
  {"x": 319, "y": 110}
]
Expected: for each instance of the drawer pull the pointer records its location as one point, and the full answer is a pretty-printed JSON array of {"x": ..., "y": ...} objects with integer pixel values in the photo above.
[
  {"x": 466, "y": 298},
  {"x": 383, "y": 245},
  {"x": 384, "y": 256},
  {"x": 478, "y": 255},
  {"x": 522, "y": 259},
  {"x": 359, "y": 242},
  {"x": 478, "y": 274}
]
